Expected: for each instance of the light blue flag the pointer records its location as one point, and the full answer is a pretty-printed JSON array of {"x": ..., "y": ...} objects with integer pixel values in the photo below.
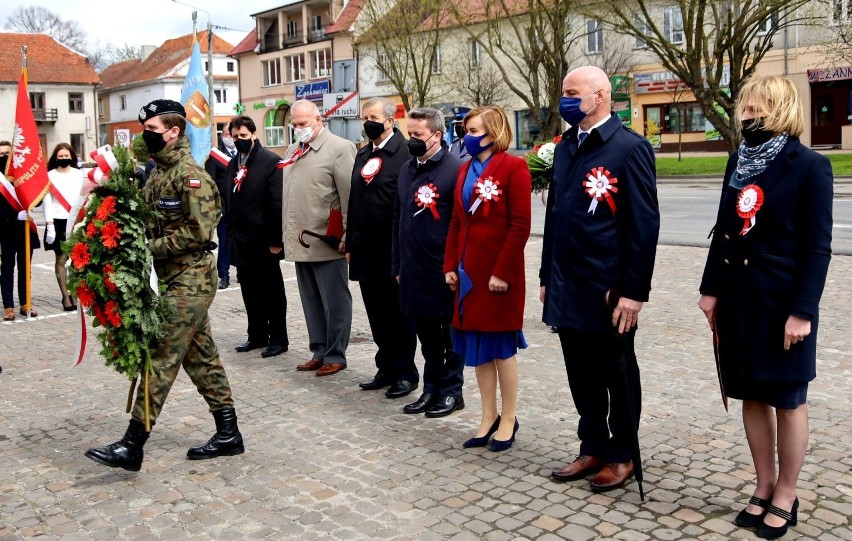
[{"x": 195, "y": 100}]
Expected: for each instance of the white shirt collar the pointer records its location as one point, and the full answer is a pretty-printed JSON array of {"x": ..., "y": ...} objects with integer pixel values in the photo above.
[{"x": 383, "y": 143}]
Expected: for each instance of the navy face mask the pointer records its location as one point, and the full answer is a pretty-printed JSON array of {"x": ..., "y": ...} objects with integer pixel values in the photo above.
[
  {"x": 473, "y": 144},
  {"x": 569, "y": 109}
]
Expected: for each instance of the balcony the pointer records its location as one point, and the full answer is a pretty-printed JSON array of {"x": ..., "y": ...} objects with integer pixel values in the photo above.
[
  {"x": 316, "y": 35},
  {"x": 296, "y": 38},
  {"x": 45, "y": 115}
]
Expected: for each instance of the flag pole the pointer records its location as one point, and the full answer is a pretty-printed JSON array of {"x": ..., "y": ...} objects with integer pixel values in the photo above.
[{"x": 27, "y": 262}]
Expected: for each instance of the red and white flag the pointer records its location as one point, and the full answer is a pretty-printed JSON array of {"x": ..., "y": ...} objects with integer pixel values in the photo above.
[{"x": 27, "y": 166}]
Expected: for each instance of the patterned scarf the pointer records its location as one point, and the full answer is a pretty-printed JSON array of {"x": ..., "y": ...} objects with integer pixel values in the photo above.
[{"x": 753, "y": 161}]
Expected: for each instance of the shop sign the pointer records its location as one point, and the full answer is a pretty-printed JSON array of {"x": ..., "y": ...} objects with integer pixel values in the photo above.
[{"x": 836, "y": 74}]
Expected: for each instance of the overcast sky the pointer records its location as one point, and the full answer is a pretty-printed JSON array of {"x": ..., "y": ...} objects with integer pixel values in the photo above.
[{"x": 151, "y": 22}]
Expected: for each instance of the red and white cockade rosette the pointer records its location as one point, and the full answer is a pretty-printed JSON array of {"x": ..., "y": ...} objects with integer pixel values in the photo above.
[
  {"x": 487, "y": 190},
  {"x": 749, "y": 202},
  {"x": 371, "y": 169},
  {"x": 291, "y": 160},
  {"x": 240, "y": 177},
  {"x": 600, "y": 184},
  {"x": 425, "y": 197}
]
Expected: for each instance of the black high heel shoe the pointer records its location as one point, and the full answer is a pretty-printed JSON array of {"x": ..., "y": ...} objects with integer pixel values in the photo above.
[
  {"x": 764, "y": 531},
  {"x": 483, "y": 441},
  {"x": 500, "y": 445},
  {"x": 747, "y": 520}
]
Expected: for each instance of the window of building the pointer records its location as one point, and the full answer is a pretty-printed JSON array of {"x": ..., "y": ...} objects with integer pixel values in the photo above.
[
  {"x": 841, "y": 11},
  {"x": 475, "y": 54},
  {"x": 78, "y": 143},
  {"x": 436, "y": 61},
  {"x": 528, "y": 130},
  {"x": 673, "y": 24},
  {"x": 122, "y": 102},
  {"x": 100, "y": 107},
  {"x": 642, "y": 24},
  {"x": 381, "y": 62},
  {"x": 275, "y": 128},
  {"x": 677, "y": 117},
  {"x": 292, "y": 29},
  {"x": 295, "y": 68},
  {"x": 594, "y": 36},
  {"x": 316, "y": 22},
  {"x": 75, "y": 102},
  {"x": 230, "y": 67},
  {"x": 206, "y": 66},
  {"x": 322, "y": 63},
  {"x": 37, "y": 101},
  {"x": 221, "y": 95},
  {"x": 271, "y": 71}
]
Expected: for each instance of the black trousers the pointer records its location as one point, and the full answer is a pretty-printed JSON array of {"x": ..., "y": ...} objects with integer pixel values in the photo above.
[
  {"x": 262, "y": 286},
  {"x": 603, "y": 392},
  {"x": 393, "y": 333},
  {"x": 13, "y": 251},
  {"x": 443, "y": 371}
]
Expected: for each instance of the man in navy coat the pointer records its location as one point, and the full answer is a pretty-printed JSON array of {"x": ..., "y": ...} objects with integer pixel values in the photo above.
[
  {"x": 600, "y": 236},
  {"x": 422, "y": 212},
  {"x": 368, "y": 248}
]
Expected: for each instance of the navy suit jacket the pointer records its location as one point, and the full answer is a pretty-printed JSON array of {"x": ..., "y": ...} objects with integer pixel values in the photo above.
[{"x": 589, "y": 248}]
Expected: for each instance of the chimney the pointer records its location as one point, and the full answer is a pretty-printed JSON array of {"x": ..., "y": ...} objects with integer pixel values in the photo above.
[{"x": 145, "y": 51}]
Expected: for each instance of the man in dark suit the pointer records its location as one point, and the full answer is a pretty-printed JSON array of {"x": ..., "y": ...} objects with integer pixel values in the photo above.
[
  {"x": 600, "y": 236},
  {"x": 422, "y": 212},
  {"x": 217, "y": 167},
  {"x": 368, "y": 248},
  {"x": 254, "y": 238}
]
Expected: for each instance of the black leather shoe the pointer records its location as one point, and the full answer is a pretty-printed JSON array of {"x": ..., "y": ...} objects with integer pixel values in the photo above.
[
  {"x": 747, "y": 520},
  {"x": 273, "y": 350},
  {"x": 125, "y": 453},
  {"x": 401, "y": 388},
  {"x": 224, "y": 283},
  {"x": 426, "y": 401},
  {"x": 379, "y": 381},
  {"x": 445, "y": 406},
  {"x": 248, "y": 345},
  {"x": 227, "y": 441},
  {"x": 765, "y": 531}
]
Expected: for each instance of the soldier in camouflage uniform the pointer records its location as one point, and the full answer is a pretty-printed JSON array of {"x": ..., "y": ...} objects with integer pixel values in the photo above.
[{"x": 188, "y": 207}]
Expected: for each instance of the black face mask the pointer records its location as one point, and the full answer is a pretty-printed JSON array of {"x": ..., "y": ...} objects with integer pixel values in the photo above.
[
  {"x": 373, "y": 129},
  {"x": 754, "y": 133},
  {"x": 243, "y": 145},
  {"x": 154, "y": 141},
  {"x": 417, "y": 147},
  {"x": 63, "y": 162},
  {"x": 459, "y": 129},
  {"x": 3, "y": 160}
]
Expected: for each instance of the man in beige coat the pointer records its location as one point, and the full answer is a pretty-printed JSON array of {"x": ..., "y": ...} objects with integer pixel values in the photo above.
[{"x": 317, "y": 176}]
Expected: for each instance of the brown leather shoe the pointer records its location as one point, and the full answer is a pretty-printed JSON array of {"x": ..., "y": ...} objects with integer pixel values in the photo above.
[
  {"x": 613, "y": 475},
  {"x": 313, "y": 364},
  {"x": 581, "y": 467},
  {"x": 331, "y": 368}
]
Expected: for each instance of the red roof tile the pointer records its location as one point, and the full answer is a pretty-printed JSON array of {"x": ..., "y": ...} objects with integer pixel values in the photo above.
[
  {"x": 162, "y": 60},
  {"x": 347, "y": 17},
  {"x": 48, "y": 61},
  {"x": 247, "y": 45}
]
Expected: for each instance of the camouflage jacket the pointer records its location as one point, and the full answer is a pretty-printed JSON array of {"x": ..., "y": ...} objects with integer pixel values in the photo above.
[{"x": 188, "y": 208}]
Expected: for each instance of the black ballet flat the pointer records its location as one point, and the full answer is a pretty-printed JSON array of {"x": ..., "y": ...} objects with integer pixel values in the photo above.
[
  {"x": 764, "y": 531},
  {"x": 747, "y": 520},
  {"x": 483, "y": 441}
]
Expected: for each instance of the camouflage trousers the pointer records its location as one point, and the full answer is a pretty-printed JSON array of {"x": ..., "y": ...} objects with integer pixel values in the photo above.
[{"x": 188, "y": 344}]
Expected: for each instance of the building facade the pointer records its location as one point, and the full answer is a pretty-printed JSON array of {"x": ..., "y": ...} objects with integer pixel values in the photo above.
[{"x": 62, "y": 86}]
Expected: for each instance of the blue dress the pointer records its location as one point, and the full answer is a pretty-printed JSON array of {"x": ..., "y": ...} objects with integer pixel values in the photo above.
[{"x": 481, "y": 347}]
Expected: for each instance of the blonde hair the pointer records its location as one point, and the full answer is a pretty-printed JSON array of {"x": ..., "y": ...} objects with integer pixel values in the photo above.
[
  {"x": 779, "y": 103},
  {"x": 496, "y": 125}
]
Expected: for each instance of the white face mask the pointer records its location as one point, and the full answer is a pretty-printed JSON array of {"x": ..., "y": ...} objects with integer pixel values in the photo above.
[
  {"x": 228, "y": 142},
  {"x": 303, "y": 135}
]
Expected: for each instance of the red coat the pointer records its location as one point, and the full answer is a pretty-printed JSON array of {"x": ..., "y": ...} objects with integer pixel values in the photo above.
[{"x": 492, "y": 241}]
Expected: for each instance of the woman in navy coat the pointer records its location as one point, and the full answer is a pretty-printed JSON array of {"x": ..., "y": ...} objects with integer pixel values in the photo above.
[{"x": 762, "y": 283}]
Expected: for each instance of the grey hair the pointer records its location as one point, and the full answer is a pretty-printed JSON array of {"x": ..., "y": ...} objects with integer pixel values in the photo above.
[
  {"x": 388, "y": 107},
  {"x": 433, "y": 117}
]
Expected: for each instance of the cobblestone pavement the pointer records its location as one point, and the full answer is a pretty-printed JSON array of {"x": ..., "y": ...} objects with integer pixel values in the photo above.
[{"x": 326, "y": 460}]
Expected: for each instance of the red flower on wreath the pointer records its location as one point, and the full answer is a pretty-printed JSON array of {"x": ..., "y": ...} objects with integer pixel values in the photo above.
[
  {"x": 99, "y": 315},
  {"x": 86, "y": 295},
  {"x": 112, "y": 314},
  {"x": 110, "y": 233},
  {"x": 109, "y": 285},
  {"x": 80, "y": 256},
  {"x": 91, "y": 230},
  {"x": 107, "y": 207}
]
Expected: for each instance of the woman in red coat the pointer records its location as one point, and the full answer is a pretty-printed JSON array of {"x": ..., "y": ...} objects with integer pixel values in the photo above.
[{"x": 484, "y": 264}]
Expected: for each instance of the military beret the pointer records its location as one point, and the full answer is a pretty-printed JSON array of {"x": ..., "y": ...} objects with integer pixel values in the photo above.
[{"x": 160, "y": 107}]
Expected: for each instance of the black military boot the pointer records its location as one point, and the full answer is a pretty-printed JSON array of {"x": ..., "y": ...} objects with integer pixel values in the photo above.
[
  {"x": 227, "y": 440},
  {"x": 125, "y": 453}
]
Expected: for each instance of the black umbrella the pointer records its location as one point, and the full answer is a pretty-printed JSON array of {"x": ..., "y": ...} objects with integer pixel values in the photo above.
[
  {"x": 331, "y": 240},
  {"x": 625, "y": 355}
]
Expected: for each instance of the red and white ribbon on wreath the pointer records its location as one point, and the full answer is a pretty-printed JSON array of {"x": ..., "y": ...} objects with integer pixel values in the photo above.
[
  {"x": 486, "y": 190},
  {"x": 600, "y": 184},
  {"x": 371, "y": 169},
  {"x": 749, "y": 201},
  {"x": 425, "y": 197},
  {"x": 95, "y": 176},
  {"x": 239, "y": 178}
]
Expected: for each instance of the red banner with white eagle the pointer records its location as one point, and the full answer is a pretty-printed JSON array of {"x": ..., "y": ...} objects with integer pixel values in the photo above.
[{"x": 27, "y": 166}]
